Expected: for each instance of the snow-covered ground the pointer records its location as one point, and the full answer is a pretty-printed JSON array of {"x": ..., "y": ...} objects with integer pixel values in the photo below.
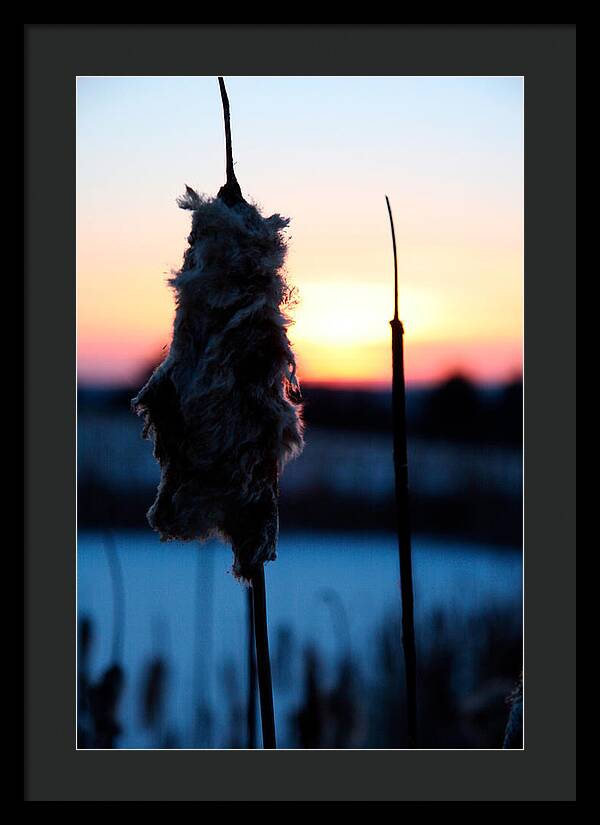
[{"x": 324, "y": 589}]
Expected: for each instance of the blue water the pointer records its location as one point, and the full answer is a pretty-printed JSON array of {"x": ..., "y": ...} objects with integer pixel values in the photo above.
[{"x": 328, "y": 590}]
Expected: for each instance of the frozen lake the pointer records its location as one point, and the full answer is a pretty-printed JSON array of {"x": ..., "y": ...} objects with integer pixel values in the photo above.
[{"x": 328, "y": 590}]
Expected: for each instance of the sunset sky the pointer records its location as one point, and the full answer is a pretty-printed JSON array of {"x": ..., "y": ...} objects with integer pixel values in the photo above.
[{"x": 324, "y": 151}]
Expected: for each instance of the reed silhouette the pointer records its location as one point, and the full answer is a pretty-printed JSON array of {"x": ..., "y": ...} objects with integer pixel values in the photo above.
[
  {"x": 403, "y": 507},
  {"x": 467, "y": 696}
]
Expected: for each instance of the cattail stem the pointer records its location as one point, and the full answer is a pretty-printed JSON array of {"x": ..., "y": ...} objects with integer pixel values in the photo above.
[
  {"x": 402, "y": 507},
  {"x": 265, "y": 687},
  {"x": 231, "y": 192},
  {"x": 227, "y": 119},
  {"x": 251, "y": 707},
  {"x": 118, "y": 594},
  {"x": 203, "y": 632},
  {"x": 339, "y": 618}
]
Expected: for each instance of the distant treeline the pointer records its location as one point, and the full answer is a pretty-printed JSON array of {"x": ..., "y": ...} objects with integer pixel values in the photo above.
[
  {"x": 455, "y": 410},
  {"x": 463, "y": 442}
]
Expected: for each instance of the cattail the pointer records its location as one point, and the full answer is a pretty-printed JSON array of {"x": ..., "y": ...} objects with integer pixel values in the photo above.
[
  {"x": 223, "y": 407},
  {"x": 402, "y": 506}
]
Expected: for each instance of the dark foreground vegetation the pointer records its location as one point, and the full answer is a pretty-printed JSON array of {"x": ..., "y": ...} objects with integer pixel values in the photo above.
[
  {"x": 467, "y": 673},
  {"x": 466, "y": 483}
]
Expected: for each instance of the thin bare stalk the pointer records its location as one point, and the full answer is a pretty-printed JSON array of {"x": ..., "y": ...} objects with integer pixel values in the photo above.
[
  {"x": 402, "y": 507},
  {"x": 231, "y": 192},
  {"x": 265, "y": 686},
  {"x": 203, "y": 631},
  {"x": 118, "y": 595},
  {"x": 339, "y": 618},
  {"x": 251, "y": 704}
]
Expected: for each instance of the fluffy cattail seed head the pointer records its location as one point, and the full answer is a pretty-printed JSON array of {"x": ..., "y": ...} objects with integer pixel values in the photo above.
[{"x": 223, "y": 408}]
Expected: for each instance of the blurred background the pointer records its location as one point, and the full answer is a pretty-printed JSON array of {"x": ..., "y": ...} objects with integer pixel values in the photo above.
[{"x": 163, "y": 630}]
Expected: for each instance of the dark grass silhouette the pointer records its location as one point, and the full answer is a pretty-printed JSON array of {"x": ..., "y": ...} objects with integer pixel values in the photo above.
[
  {"x": 104, "y": 697},
  {"x": 513, "y": 735},
  {"x": 85, "y": 634},
  {"x": 467, "y": 673},
  {"x": 99, "y": 701},
  {"x": 152, "y": 698}
]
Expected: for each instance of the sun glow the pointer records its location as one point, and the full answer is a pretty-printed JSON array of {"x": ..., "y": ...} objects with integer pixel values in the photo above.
[{"x": 340, "y": 314}]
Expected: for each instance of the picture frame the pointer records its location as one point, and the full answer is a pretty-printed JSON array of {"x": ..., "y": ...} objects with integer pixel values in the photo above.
[{"x": 54, "y": 55}]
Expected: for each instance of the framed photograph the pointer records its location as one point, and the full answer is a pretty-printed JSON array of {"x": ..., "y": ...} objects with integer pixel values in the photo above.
[{"x": 300, "y": 424}]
